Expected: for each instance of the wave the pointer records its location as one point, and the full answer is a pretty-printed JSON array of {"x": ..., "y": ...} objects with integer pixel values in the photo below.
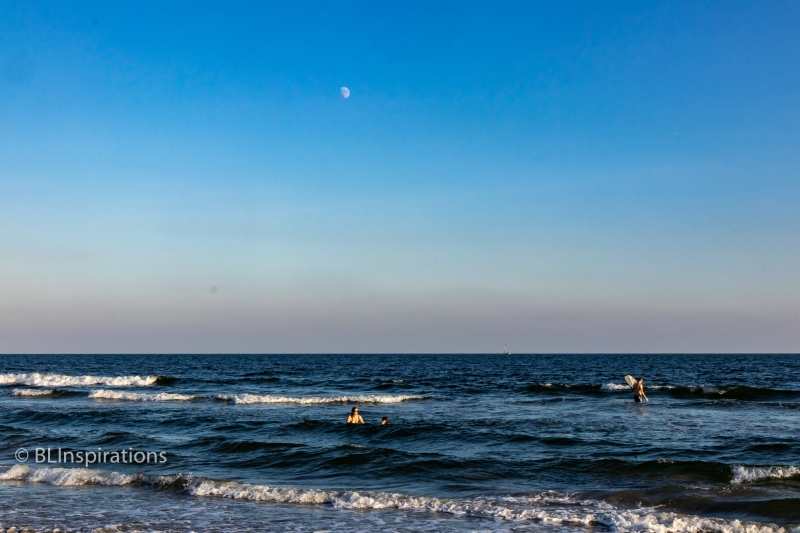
[
  {"x": 70, "y": 477},
  {"x": 546, "y": 507},
  {"x": 748, "y": 474},
  {"x": 107, "y": 394},
  {"x": 59, "y": 380},
  {"x": 103, "y": 394},
  {"x": 626, "y": 387},
  {"x": 585, "y": 388},
  {"x": 720, "y": 392},
  {"x": 32, "y": 392},
  {"x": 731, "y": 392},
  {"x": 311, "y": 400},
  {"x": 558, "y": 388},
  {"x": 615, "y": 387},
  {"x": 267, "y": 376}
]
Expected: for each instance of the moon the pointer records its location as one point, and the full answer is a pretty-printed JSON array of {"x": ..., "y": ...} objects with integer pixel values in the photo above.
[{"x": 345, "y": 92}]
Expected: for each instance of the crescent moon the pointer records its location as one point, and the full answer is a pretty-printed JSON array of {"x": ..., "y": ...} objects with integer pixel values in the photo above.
[{"x": 345, "y": 92}]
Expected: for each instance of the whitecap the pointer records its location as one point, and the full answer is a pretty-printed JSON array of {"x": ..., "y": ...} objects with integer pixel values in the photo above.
[
  {"x": 312, "y": 400},
  {"x": 748, "y": 474},
  {"x": 103, "y": 394},
  {"x": 66, "y": 477},
  {"x": 59, "y": 380},
  {"x": 542, "y": 507},
  {"x": 32, "y": 392},
  {"x": 615, "y": 386}
]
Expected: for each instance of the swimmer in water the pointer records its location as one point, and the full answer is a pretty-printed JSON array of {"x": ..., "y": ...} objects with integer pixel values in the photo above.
[
  {"x": 638, "y": 391},
  {"x": 384, "y": 420},
  {"x": 355, "y": 417}
]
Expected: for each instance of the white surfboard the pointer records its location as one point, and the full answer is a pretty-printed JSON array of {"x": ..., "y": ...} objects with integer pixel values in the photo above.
[{"x": 631, "y": 381}]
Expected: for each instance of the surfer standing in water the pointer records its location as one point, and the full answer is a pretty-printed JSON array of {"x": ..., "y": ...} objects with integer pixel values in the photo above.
[
  {"x": 355, "y": 417},
  {"x": 638, "y": 391}
]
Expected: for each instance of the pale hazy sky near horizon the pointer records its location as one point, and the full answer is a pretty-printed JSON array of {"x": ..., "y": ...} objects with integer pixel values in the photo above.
[{"x": 554, "y": 176}]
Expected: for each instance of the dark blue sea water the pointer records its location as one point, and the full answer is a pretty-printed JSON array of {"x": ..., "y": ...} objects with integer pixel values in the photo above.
[{"x": 474, "y": 443}]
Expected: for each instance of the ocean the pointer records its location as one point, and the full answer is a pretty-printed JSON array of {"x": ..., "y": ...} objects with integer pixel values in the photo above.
[{"x": 520, "y": 443}]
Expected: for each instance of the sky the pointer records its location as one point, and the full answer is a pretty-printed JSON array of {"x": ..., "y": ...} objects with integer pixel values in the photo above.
[{"x": 554, "y": 177}]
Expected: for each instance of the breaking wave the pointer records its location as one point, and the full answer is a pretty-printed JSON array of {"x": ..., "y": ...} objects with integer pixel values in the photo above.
[
  {"x": 615, "y": 386},
  {"x": 749, "y": 474},
  {"x": 546, "y": 507},
  {"x": 59, "y": 380},
  {"x": 103, "y": 394},
  {"x": 312, "y": 400},
  {"x": 690, "y": 392},
  {"x": 108, "y": 394},
  {"x": 731, "y": 392},
  {"x": 33, "y": 392},
  {"x": 70, "y": 477}
]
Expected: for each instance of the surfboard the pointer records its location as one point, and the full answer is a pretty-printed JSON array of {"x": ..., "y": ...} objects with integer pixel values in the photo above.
[{"x": 631, "y": 381}]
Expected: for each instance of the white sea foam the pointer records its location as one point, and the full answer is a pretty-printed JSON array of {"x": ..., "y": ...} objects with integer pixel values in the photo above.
[
  {"x": 748, "y": 474},
  {"x": 59, "y": 380},
  {"x": 67, "y": 477},
  {"x": 650, "y": 520},
  {"x": 32, "y": 392},
  {"x": 311, "y": 400},
  {"x": 102, "y": 394},
  {"x": 615, "y": 386},
  {"x": 540, "y": 508},
  {"x": 547, "y": 507}
]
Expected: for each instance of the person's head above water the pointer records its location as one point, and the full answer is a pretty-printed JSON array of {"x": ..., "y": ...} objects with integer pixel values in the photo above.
[
  {"x": 354, "y": 417},
  {"x": 384, "y": 420}
]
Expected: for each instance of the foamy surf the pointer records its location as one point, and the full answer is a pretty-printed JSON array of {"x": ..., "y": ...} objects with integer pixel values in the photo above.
[
  {"x": 614, "y": 387},
  {"x": 103, "y": 394},
  {"x": 313, "y": 400},
  {"x": 244, "y": 399},
  {"x": 32, "y": 392},
  {"x": 68, "y": 477},
  {"x": 749, "y": 474},
  {"x": 59, "y": 380},
  {"x": 546, "y": 507}
]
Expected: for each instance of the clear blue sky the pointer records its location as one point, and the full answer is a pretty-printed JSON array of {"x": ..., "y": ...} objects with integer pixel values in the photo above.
[{"x": 555, "y": 176}]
